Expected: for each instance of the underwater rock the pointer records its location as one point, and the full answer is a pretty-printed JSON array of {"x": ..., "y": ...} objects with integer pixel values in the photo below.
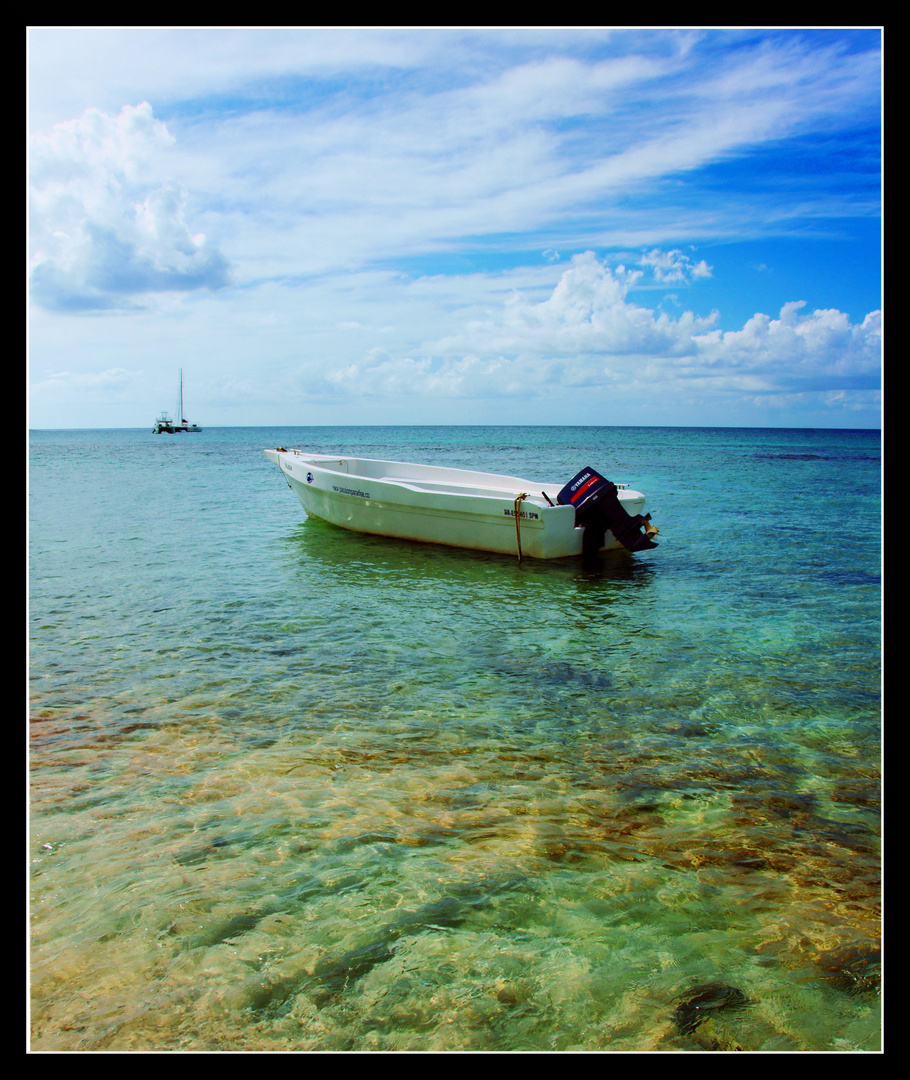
[
  {"x": 854, "y": 969},
  {"x": 703, "y": 1002},
  {"x": 333, "y": 976},
  {"x": 203, "y": 853},
  {"x": 304, "y": 889},
  {"x": 533, "y": 668}
]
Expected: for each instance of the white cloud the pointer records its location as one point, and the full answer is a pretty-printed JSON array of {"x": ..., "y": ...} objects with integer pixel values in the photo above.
[
  {"x": 589, "y": 333},
  {"x": 106, "y": 227},
  {"x": 674, "y": 266},
  {"x": 110, "y": 388},
  {"x": 556, "y": 152},
  {"x": 587, "y": 314},
  {"x": 820, "y": 347}
]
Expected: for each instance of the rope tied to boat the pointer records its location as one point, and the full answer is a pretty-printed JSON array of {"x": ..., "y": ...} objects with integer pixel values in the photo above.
[{"x": 517, "y": 515}]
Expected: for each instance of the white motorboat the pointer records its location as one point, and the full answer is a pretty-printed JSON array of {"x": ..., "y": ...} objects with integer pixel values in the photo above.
[{"x": 461, "y": 508}]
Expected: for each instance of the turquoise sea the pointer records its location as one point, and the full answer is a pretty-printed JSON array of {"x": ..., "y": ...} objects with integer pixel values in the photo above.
[{"x": 297, "y": 789}]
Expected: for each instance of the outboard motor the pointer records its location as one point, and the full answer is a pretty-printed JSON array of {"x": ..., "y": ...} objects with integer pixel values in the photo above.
[{"x": 597, "y": 508}]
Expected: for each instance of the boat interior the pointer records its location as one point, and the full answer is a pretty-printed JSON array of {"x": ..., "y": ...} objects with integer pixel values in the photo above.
[{"x": 438, "y": 478}]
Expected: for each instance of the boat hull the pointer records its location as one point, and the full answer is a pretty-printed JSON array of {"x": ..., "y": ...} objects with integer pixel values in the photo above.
[{"x": 437, "y": 505}]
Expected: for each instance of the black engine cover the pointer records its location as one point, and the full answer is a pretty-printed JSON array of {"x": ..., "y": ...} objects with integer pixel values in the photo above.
[{"x": 597, "y": 508}]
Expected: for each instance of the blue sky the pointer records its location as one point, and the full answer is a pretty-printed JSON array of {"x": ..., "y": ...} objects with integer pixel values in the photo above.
[{"x": 368, "y": 226}]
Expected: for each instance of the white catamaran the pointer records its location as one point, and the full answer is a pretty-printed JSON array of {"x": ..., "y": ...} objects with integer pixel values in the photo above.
[{"x": 165, "y": 424}]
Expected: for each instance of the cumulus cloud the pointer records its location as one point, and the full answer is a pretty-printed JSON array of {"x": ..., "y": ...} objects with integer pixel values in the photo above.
[
  {"x": 105, "y": 228},
  {"x": 674, "y": 266},
  {"x": 821, "y": 349},
  {"x": 588, "y": 319},
  {"x": 589, "y": 333}
]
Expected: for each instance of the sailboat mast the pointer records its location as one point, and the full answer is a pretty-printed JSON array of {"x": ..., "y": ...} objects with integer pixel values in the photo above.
[{"x": 180, "y": 407}]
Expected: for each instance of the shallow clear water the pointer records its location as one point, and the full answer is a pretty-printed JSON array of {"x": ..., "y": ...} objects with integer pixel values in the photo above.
[{"x": 293, "y": 788}]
